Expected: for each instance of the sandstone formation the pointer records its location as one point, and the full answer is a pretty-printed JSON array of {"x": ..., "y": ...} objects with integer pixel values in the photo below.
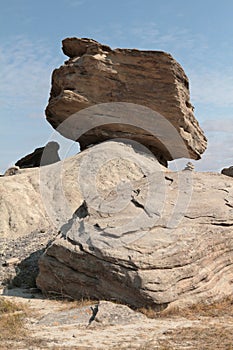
[
  {"x": 21, "y": 208},
  {"x": 165, "y": 239},
  {"x": 40, "y": 156},
  {"x": 228, "y": 171},
  {"x": 96, "y": 74},
  {"x": 142, "y": 245}
]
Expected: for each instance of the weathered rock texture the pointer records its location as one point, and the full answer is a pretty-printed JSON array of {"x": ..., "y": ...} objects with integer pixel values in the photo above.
[
  {"x": 97, "y": 74},
  {"x": 142, "y": 253},
  {"x": 40, "y": 156},
  {"x": 137, "y": 254},
  {"x": 21, "y": 208},
  {"x": 228, "y": 171}
]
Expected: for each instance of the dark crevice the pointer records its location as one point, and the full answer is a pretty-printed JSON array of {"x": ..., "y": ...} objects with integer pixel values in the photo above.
[
  {"x": 137, "y": 204},
  {"x": 224, "y": 224},
  {"x": 223, "y": 189},
  {"x": 75, "y": 243},
  {"x": 80, "y": 214},
  {"x": 169, "y": 179},
  {"x": 82, "y": 211},
  {"x": 229, "y": 205},
  {"x": 198, "y": 217}
]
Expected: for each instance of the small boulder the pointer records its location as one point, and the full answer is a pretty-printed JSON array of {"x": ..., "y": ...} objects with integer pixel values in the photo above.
[
  {"x": 228, "y": 171},
  {"x": 11, "y": 171}
]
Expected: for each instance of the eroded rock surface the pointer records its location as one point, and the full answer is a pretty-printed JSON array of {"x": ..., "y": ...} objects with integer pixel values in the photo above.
[
  {"x": 96, "y": 74},
  {"x": 165, "y": 239}
]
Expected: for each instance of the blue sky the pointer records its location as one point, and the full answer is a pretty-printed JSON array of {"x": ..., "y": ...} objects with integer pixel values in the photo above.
[{"x": 199, "y": 35}]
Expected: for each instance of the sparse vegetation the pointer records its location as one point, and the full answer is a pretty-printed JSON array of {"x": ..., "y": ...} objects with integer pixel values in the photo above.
[
  {"x": 12, "y": 317},
  {"x": 217, "y": 309},
  {"x": 204, "y": 337},
  {"x": 69, "y": 305},
  {"x": 206, "y": 332}
]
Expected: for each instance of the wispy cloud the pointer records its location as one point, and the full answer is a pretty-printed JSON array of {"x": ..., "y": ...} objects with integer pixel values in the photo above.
[
  {"x": 24, "y": 75},
  {"x": 152, "y": 37},
  {"x": 25, "y": 70},
  {"x": 219, "y": 125},
  {"x": 212, "y": 87},
  {"x": 218, "y": 155},
  {"x": 176, "y": 39}
]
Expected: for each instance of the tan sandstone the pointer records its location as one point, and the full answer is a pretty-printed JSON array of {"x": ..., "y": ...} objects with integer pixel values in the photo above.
[
  {"x": 150, "y": 243},
  {"x": 95, "y": 75},
  {"x": 159, "y": 247}
]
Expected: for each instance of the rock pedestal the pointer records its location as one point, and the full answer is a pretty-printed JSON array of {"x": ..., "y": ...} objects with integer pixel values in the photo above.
[{"x": 150, "y": 243}]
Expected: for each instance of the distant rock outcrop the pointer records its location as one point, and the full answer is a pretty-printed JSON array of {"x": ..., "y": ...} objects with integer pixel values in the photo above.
[
  {"x": 189, "y": 166},
  {"x": 40, "y": 156},
  {"x": 228, "y": 171},
  {"x": 96, "y": 74},
  {"x": 11, "y": 171}
]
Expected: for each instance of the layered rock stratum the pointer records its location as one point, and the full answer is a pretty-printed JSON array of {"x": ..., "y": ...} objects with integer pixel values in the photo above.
[
  {"x": 95, "y": 74},
  {"x": 164, "y": 239}
]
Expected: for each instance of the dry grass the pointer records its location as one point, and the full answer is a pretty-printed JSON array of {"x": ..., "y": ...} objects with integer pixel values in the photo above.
[
  {"x": 218, "y": 309},
  {"x": 65, "y": 303},
  {"x": 69, "y": 305},
  {"x": 6, "y": 307},
  {"x": 148, "y": 312},
  {"x": 14, "y": 334},
  {"x": 12, "y": 317},
  {"x": 202, "y": 338},
  {"x": 146, "y": 346}
]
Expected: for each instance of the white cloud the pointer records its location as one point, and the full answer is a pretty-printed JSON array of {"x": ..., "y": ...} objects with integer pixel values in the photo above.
[
  {"x": 150, "y": 36},
  {"x": 25, "y": 75},
  {"x": 175, "y": 39},
  {"x": 25, "y": 69},
  {"x": 221, "y": 125},
  {"x": 212, "y": 87}
]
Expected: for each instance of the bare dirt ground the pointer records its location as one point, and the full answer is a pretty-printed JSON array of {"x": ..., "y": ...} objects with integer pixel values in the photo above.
[{"x": 59, "y": 324}]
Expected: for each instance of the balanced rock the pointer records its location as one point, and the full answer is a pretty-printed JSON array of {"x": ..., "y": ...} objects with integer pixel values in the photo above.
[
  {"x": 228, "y": 171},
  {"x": 96, "y": 75},
  {"x": 40, "y": 156},
  {"x": 138, "y": 234}
]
